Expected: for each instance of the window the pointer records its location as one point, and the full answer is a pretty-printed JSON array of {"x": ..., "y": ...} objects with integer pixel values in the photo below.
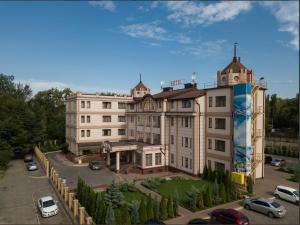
[
  {"x": 88, "y": 104},
  {"x": 106, "y": 105},
  {"x": 132, "y": 119},
  {"x": 220, "y": 101},
  {"x": 172, "y": 104},
  {"x": 220, "y": 145},
  {"x": 88, "y": 119},
  {"x": 82, "y": 133},
  {"x": 106, "y": 132},
  {"x": 191, "y": 164},
  {"x": 131, "y": 106},
  {"x": 172, "y": 121},
  {"x": 182, "y": 161},
  {"x": 209, "y": 144},
  {"x": 186, "y": 163},
  {"x": 186, "y": 142},
  {"x": 209, "y": 122},
  {"x": 157, "y": 158},
  {"x": 186, "y": 121},
  {"x": 121, "y": 118},
  {"x": 186, "y": 104},
  {"x": 88, "y": 133},
  {"x": 159, "y": 104},
  {"x": 82, "y": 104},
  {"x": 172, "y": 158},
  {"x": 219, "y": 166},
  {"x": 121, "y": 132},
  {"x": 220, "y": 123},
  {"x": 181, "y": 141},
  {"x": 172, "y": 139},
  {"x": 131, "y": 133},
  {"x": 121, "y": 105},
  {"x": 106, "y": 119},
  {"x": 148, "y": 159},
  {"x": 82, "y": 119},
  {"x": 210, "y": 99}
]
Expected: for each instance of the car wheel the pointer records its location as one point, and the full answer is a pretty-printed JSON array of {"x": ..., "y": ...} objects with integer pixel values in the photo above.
[
  {"x": 271, "y": 215},
  {"x": 277, "y": 196},
  {"x": 247, "y": 206}
]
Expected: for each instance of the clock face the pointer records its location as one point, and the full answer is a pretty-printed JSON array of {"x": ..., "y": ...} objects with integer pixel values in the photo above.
[{"x": 236, "y": 78}]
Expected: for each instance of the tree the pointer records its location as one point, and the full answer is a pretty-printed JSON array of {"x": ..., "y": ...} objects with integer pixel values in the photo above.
[
  {"x": 110, "y": 215},
  {"x": 114, "y": 195},
  {"x": 149, "y": 208},
  {"x": 170, "y": 206},
  {"x": 118, "y": 216},
  {"x": 200, "y": 201},
  {"x": 92, "y": 202},
  {"x": 208, "y": 196},
  {"x": 101, "y": 210},
  {"x": 216, "y": 197},
  {"x": 192, "y": 196},
  {"x": 163, "y": 208},
  {"x": 125, "y": 217},
  {"x": 142, "y": 212},
  {"x": 205, "y": 173},
  {"x": 249, "y": 185},
  {"x": 156, "y": 209},
  {"x": 176, "y": 202},
  {"x": 134, "y": 211},
  {"x": 222, "y": 193}
]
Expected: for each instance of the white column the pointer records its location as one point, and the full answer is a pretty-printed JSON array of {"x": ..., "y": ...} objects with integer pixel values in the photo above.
[{"x": 117, "y": 161}]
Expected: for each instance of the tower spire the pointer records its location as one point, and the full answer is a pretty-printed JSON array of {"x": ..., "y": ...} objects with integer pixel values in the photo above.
[
  {"x": 235, "y": 45},
  {"x": 140, "y": 77}
]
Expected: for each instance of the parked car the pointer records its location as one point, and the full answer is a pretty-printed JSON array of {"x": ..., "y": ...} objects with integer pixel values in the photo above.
[
  {"x": 278, "y": 162},
  {"x": 95, "y": 165},
  {"x": 31, "y": 166},
  {"x": 265, "y": 206},
  {"x": 229, "y": 216},
  {"x": 268, "y": 159},
  {"x": 287, "y": 193},
  {"x": 47, "y": 206},
  {"x": 28, "y": 158},
  {"x": 202, "y": 221}
]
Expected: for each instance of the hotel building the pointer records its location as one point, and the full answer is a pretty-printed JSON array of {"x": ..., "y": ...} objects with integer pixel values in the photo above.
[{"x": 177, "y": 129}]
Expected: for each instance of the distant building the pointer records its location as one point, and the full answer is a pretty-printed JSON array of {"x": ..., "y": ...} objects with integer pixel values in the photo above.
[{"x": 179, "y": 129}]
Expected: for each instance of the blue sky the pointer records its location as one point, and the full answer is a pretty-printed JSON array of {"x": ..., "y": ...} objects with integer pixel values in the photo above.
[{"x": 104, "y": 46}]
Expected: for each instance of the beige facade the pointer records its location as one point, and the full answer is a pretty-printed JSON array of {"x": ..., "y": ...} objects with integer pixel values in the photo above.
[{"x": 183, "y": 129}]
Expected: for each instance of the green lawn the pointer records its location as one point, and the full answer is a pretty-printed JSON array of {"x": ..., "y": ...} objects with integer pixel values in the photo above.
[
  {"x": 182, "y": 186},
  {"x": 135, "y": 195}
]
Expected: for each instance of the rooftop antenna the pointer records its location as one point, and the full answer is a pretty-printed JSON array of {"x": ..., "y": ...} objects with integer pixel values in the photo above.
[
  {"x": 194, "y": 78},
  {"x": 162, "y": 84}
]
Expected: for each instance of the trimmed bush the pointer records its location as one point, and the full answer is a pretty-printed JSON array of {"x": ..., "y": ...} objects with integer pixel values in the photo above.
[
  {"x": 163, "y": 208},
  {"x": 170, "y": 207},
  {"x": 142, "y": 212}
]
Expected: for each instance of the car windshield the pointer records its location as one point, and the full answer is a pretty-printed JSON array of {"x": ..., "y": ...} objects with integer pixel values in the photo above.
[
  {"x": 275, "y": 204},
  {"x": 48, "y": 203},
  {"x": 296, "y": 193}
]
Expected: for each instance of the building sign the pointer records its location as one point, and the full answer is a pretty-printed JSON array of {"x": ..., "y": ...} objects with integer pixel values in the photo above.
[
  {"x": 242, "y": 150},
  {"x": 176, "y": 82}
]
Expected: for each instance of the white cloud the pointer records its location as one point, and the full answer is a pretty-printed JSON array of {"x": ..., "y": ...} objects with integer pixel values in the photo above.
[
  {"x": 42, "y": 85},
  {"x": 183, "y": 39},
  {"x": 206, "y": 48},
  {"x": 108, "y": 5},
  {"x": 287, "y": 14},
  {"x": 145, "y": 30},
  {"x": 197, "y": 13}
]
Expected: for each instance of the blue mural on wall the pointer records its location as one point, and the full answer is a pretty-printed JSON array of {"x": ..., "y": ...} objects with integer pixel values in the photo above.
[{"x": 242, "y": 150}]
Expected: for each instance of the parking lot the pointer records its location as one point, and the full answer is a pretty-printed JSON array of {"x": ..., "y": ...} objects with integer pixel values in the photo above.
[
  {"x": 71, "y": 172},
  {"x": 19, "y": 192}
]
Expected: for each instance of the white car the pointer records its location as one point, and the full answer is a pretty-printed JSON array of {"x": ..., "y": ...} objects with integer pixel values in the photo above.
[
  {"x": 277, "y": 162},
  {"x": 287, "y": 193},
  {"x": 47, "y": 206}
]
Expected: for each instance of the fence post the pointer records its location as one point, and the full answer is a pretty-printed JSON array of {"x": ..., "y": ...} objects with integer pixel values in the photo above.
[
  {"x": 81, "y": 215},
  {"x": 75, "y": 209},
  {"x": 62, "y": 189},
  {"x": 47, "y": 167},
  {"x": 66, "y": 194},
  {"x": 89, "y": 220},
  {"x": 70, "y": 198},
  {"x": 58, "y": 184}
]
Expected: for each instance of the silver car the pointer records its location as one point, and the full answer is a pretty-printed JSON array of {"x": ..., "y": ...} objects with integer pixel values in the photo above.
[
  {"x": 31, "y": 166},
  {"x": 265, "y": 206}
]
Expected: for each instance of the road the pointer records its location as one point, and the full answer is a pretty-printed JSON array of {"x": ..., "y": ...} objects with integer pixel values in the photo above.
[
  {"x": 71, "y": 172},
  {"x": 19, "y": 192},
  {"x": 291, "y": 162}
]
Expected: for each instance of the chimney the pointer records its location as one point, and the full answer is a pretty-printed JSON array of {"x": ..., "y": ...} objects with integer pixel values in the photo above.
[
  {"x": 165, "y": 89},
  {"x": 190, "y": 85}
]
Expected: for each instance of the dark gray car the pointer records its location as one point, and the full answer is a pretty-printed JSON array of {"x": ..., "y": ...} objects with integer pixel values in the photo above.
[
  {"x": 95, "y": 165},
  {"x": 265, "y": 206}
]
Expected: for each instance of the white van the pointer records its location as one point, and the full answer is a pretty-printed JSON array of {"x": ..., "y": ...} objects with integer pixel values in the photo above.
[{"x": 287, "y": 193}]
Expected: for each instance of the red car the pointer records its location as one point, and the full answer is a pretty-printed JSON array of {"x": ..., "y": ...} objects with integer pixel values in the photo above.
[{"x": 229, "y": 216}]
